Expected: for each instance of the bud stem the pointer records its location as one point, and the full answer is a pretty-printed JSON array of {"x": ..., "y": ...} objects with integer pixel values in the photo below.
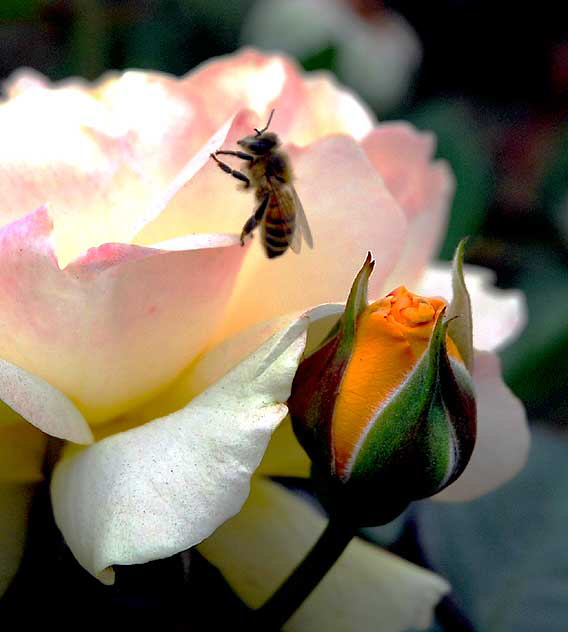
[{"x": 304, "y": 578}]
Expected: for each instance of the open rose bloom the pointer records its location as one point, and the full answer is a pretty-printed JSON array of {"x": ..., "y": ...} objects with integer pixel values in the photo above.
[{"x": 135, "y": 326}]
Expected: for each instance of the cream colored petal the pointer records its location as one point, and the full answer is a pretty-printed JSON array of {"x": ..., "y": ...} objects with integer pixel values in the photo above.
[
  {"x": 41, "y": 404},
  {"x": 498, "y": 315},
  {"x": 367, "y": 589},
  {"x": 503, "y": 437},
  {"x": 160, "y": 488},
  {"x": 116, "y": 326}
]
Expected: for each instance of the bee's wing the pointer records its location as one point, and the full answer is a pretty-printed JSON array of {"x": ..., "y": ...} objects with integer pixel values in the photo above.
[{"x": 302, "y": 226}]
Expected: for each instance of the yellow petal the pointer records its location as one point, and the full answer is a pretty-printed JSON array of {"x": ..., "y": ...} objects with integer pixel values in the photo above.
[
  {"x": 284, "y": 455},
  {"x": 21, "y": 456},
  {"x": 15, "y": 500},
  {"x": 368, "y": 590}
]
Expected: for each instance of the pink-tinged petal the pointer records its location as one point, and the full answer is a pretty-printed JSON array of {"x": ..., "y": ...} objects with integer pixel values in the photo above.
[
  {"x": 116, "y": 326},
  {"x": 350, "y": 212},
  {"x": 326, "y": 109},
  {"x": 61, "y": 148},
  {"x": 367, "y": 590},
  {"x": 423, "y": 189},
  {"x": 498, "y": 315},
  {"x": 162, "y": 487},
  {"x": 42, "y": 405},
  {"x": 503, "y": 436}
]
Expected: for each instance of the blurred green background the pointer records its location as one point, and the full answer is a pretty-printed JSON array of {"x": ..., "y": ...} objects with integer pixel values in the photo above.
[{"x": 491, "y": 79}]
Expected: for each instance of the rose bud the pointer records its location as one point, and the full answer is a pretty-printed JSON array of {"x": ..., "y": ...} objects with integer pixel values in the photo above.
[{"x": 385, "y": 406}]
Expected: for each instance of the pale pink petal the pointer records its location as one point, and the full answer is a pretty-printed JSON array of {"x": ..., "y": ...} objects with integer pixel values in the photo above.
[
  {"x": 162, "y": 487},
  {"x": 307, "y": 108},
  {"x": 103, "y": 166},
  {"x": 326, "y": 108},
  {"x": 116, "y": 326},
  {"x": 503, "y": 436},
  {"x": 368, "y": 589},
  {"x": 498, "y": 315},
  {"x": 422, "y": 187},
  {"x": 61, "y": 148},
  {"x": 350, "y": 212}
]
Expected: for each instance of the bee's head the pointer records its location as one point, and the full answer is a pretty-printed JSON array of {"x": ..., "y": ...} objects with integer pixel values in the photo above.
[{"x": 260, "y": 143}]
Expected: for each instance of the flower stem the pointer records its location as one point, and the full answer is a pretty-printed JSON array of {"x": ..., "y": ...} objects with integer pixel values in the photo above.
[{"x": 305, "y": 577}]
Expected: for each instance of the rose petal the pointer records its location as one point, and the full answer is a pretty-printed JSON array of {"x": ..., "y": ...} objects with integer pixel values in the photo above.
[
  {"x": 422, "y": 188},
  {"x": 344, "y": 199},
  {"x": 368, "y": 589},
  {"x": 284, "y": 455},
  {"x": 163, "y": 487},
  {"x": 42, "y": 405},
  {"x": 90, "y": 329},
  {"x": 498, "y": 315},
  {"x": 74, "y": 157},
  {"x": 503, "y": 436},
  {"x": 21, "y": 457},
  {"x": 22, "y": 449},
  {"x": 215, "y": 362}
]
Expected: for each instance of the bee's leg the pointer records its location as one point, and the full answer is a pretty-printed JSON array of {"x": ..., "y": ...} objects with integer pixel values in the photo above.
[
  {"x": 239, "y": 154},
  {"x": 232, "y": 172},
  {"x": 254, "y": 219}
]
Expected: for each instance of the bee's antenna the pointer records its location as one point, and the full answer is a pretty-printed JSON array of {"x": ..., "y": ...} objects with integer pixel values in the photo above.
[{"x": 261, "y": 131}]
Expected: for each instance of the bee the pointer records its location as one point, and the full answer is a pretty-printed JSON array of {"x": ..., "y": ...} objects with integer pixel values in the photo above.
[{"x": 279, "y": 211}]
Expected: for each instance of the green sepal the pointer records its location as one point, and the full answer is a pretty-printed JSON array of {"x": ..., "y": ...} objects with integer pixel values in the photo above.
[
  {"x": 356, "y": 304},
  {"x": 459, "y": 310}
]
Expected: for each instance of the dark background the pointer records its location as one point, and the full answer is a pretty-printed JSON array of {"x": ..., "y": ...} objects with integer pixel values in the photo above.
[{"x": 493, "y": 85}]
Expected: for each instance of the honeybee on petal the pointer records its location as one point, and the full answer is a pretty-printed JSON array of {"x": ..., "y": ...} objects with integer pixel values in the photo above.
[{"x": 279, "y": 211}]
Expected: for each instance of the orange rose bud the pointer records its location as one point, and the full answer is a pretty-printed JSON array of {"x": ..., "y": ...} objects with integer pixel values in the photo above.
[{"x": 385, "y": 406}]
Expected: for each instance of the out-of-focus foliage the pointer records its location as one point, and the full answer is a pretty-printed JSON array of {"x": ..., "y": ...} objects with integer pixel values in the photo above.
[
  {"x": 371, "y": 49},
  {"x": 505, "y": 554},
  {"x": 461, "y": 143}
]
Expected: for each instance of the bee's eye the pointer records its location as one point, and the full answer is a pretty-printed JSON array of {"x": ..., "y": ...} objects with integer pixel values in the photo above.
[{"x": 261, "y": 145}]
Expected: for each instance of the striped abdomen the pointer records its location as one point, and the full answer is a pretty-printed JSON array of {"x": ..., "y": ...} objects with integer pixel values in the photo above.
[{"x": 277, "y": 231}]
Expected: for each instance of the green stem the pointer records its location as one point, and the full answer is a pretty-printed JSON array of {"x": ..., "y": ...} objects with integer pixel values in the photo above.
[{"x": 305, "y": 577}]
